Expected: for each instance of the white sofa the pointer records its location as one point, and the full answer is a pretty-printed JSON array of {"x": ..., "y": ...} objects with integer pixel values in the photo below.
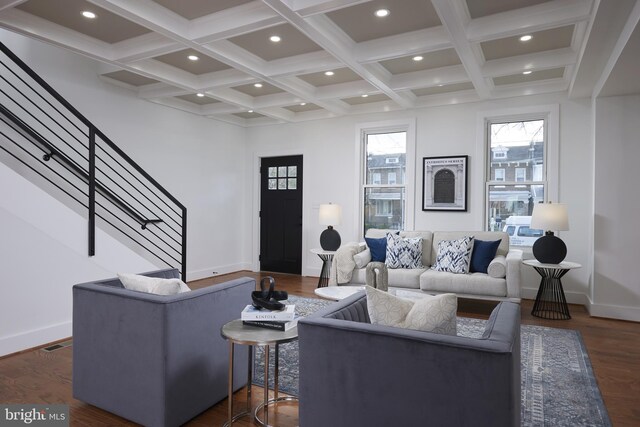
[{"x": 470, "y": 285}]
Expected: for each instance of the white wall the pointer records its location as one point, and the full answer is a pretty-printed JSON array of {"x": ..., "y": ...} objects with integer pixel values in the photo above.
[
  {"x": 42, "y": 256},
  {"x": 616, "y": 283},
  {"x": 200, "y": 161},
  {"x": 331, "y": 169}
]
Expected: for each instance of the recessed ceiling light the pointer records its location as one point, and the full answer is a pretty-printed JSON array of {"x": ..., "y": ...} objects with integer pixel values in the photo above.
[
  {"x": 303, "y": 104},
  {"x": 526, "y": 38},
  {"x": 250, "y": 111},
  {"x": 381, "y": 13},
  {"x": 440, "y": 85},
  {"x": 329, "y": 73},
  {"x": 275, "y": 39},
  {"x": 418, "y": 58},
  {"x": 258, "y": 85},
  {"x": 200, "y": 94},
  {"x": 526, "y": 72},
  {"x": 365, "y": 95},
  {"x": 193, "y": 58},
  {"x": 88, "y": 14}
]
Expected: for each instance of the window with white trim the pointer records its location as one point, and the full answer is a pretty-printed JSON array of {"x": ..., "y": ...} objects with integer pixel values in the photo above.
[
  {"x": 391, "y": 178},
  {"x": 515, "y": 182},
  {"x": 384, "y": 204}
]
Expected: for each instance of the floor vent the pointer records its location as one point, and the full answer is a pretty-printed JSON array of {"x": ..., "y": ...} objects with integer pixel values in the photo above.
[{"x": 57, "y": 346}]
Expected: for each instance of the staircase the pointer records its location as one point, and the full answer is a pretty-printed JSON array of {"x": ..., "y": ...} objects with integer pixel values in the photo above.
[{"x": 45, "y": 139}]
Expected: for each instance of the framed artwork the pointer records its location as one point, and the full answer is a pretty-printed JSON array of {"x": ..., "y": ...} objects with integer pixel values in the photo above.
[{"x": 444, "y": 183}]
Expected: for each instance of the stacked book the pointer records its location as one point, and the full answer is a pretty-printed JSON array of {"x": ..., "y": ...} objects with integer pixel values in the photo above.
[{"x": 280, "y": 320}]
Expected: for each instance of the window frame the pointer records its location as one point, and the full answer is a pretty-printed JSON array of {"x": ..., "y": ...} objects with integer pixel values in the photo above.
[
  {"x": 388, "y": 126},
  {"x": 549, "y": 112}
]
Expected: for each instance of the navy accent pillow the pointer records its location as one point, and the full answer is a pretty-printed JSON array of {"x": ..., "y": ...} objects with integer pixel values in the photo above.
[
  {"x": 483, "y": 253},
  {"x": 378, "y": 248}
]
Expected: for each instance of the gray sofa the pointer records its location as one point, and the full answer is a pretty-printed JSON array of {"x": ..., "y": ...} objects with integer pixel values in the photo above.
[
  {"x": 471, "y": 285},
  {"x": 375, "y": 375},
  {"x": 155, "y": 360}
]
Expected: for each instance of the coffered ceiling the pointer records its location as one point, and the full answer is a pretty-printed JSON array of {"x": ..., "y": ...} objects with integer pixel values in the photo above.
[{"x": 329, "y": 57}]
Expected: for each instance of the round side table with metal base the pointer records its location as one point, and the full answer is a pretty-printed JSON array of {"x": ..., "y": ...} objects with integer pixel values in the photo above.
[
  {"x": 326, "y": 257},
  {"x": 550, "y": 301},
  {"x": 237, "y": 333}
]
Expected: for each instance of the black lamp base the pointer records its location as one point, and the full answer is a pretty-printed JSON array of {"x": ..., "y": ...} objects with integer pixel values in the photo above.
[
  {"x": 549, "y": 249},
  {"x": 330, "y": 239}
]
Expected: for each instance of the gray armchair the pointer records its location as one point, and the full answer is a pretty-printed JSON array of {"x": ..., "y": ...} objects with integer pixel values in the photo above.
[
  {"x": 353, "y": 373},
  {"x": 155, "y": 360}
]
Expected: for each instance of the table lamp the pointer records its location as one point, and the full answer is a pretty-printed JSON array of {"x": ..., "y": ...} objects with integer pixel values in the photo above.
[
  {"x": 550, "y": 249},
  {"x": 330, "y": 215}
]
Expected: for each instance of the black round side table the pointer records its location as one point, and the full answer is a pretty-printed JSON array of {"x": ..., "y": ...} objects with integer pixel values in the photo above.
[{"x": 550, "y": 301}]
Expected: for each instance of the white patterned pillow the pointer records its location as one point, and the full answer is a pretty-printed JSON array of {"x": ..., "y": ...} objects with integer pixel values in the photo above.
[
  {"x": 454, "y": 255},
  {"x": 429, "y": 313},
  {"x": 403, "y": 252}
]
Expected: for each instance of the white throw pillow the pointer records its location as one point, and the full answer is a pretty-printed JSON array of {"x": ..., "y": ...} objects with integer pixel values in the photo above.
[
  {"x": 497, "y": 267},
  {"x": 363, "y": 258},
  {"x": 429, "y": 313},
  {"x": 403, "y": 252},
  {"x": 454, "y": 255},
  {"x": 152, "y": 285}
]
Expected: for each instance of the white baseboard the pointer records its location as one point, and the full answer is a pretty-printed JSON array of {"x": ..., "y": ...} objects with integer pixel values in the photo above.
[
  {"x": 614, "y": 312},
  {"x": 217, "y": 270},
  {"x": 572, "y": 297},
  {"x": 34, "y": 338}
]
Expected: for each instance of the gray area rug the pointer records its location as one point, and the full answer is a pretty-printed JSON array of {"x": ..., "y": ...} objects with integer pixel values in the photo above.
[{"x": 558, "y": 385}]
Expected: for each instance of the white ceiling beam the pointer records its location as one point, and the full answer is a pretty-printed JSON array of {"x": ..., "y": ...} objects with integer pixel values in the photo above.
[
  {"x": 8, "y": 4},
  {"x": 143, "y": 47},
  {"x": 428, "y": 78},
  {"x": 224, "y": 78},
  {"x": 302, "y": 64},
  {"x": 276, "y": 100},
  {"x": 165, "y": 73},
  {"x": 454, "y": 17},
  {"x": 448, "y": 98},
  {"x": 375, "y": 107},
  {"x": 277, "y": 113},
  {"x": 313, "y": 115},
  {"x": 542, "y": 16},
  {"x": 420, "y": 41},
  {"x": 221, "y": 108},
  {"x": 48, "y": 32},
  {"x": 535, "y": 61},
  {"x": 345, "y": 90},
  {"x": 178, "y": 104},
  {"x": 150, "y": 15},
  {"x": 330, "y": 37},
  {"x": 530, "y": 88},
  {"x": 228, "y": 118},
  {"x": 307, "y": 93},
  {"x": 160, "y": 90},
  {"x": 233, "y": 22},
  {"x": 312, "y": 7}
]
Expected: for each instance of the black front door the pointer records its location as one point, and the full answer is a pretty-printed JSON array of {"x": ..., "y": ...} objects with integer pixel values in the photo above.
[{"x": 281, "y": 214}]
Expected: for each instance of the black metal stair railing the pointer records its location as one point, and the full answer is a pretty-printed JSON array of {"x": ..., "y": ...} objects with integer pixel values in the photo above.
[{"x": 46, "y": 138}]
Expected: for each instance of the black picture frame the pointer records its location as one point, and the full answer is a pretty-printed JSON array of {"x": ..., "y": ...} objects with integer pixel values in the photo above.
[{"x": 445, "y": 183}]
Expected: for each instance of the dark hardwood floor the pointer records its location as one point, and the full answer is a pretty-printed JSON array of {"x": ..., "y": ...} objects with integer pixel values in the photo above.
[{"x": 35, "y": 376}]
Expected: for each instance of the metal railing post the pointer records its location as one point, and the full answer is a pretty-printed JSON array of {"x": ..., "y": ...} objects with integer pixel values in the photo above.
[
  {"x": 92, "y": 191},
  {"x": 184, "y": 244}
]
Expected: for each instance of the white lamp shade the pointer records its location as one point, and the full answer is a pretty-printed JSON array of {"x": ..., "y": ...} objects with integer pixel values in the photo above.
[
  {"x": 330, "y": 214},
  {"x": 550, "y": 216}
]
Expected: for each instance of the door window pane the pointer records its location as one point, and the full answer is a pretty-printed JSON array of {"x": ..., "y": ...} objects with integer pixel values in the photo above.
[
  {"x": 273, "y": 172},
  {"x": 282, "y": 171},
  {"x": 293, "y": 171},
  {"x": 293, "y": 183},
  {"x": 282, "y": 184},
  {"x": 273, "y": 184}
]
